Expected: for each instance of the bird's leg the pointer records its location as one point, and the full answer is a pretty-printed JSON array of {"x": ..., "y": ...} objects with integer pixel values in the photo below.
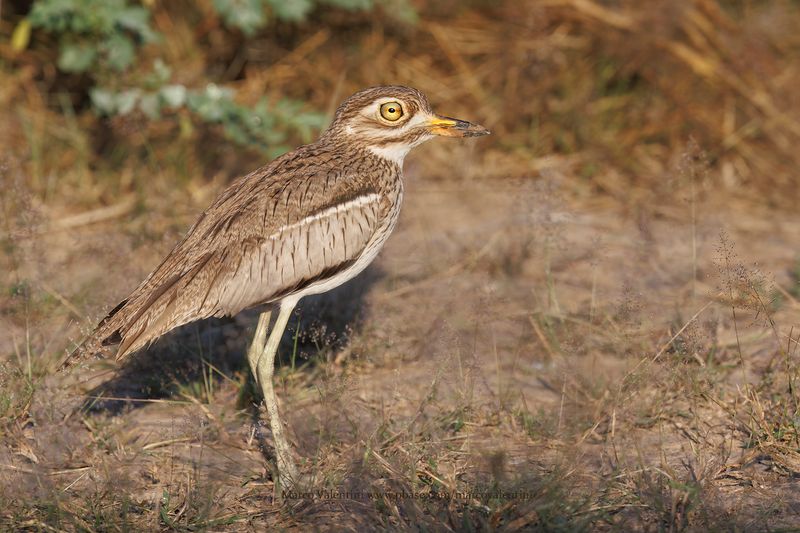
[
  {"x": 259, "y": 340},
  {"x": 265, "y": 365}
]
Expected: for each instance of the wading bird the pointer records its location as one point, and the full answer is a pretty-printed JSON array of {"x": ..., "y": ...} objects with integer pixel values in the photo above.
[{"x": 303, "y": 224}]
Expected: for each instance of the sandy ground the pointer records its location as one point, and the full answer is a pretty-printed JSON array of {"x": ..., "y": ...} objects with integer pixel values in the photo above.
[{"x": 573, "y": 354}]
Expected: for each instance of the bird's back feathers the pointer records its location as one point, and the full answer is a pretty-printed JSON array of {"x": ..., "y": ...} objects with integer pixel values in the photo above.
[{"x": 306, "y": 216}]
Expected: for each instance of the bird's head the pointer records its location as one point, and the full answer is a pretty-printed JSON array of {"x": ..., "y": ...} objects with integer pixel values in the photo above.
[{"x": 389, "y": 121}]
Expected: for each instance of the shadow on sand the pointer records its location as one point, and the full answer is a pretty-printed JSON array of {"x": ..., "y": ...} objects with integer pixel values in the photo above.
[{"x": 181, "y": 356}]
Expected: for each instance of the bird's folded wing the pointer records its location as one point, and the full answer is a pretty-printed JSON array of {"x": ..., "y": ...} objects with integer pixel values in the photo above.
[
  {"x": 295, "y": 222},
  {"x": 240, "y": 273},
  {"x": 292, "y": 257}
]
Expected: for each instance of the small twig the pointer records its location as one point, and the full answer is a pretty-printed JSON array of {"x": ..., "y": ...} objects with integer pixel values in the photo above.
[
  {"x": 141, "y": 400},
  {"x": 65, "y": 489},
  {"x": 58, "y": 296},
  {"x": 161, "y": 444},
  {"x": 18, "y": 468},
  {"x": 686, "y": 325},
  {"x": 542, "y": 337},
  {"x": 561, "y": 407},
  {"x": 93, "y": 216},
  {"x": 70, "y": 470}
]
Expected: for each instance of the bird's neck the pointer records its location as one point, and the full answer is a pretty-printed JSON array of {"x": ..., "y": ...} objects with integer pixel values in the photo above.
[
  {"x": 393, "y": 153},
  {"x": 345, "y": 141}
]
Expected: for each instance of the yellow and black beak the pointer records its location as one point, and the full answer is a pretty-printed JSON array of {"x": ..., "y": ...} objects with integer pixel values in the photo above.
[{"x": 452, "y": 127}]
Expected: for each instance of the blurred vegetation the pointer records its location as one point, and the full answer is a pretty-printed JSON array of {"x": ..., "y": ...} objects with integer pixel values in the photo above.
[
  {"x": 612, "y": 90},
  {"x": 103, "y": 39}
]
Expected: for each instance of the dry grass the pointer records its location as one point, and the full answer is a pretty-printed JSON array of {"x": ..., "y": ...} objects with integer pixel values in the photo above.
[{"x": 587, "y": 322}]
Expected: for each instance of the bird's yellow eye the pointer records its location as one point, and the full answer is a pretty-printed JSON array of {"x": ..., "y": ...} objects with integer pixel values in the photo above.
[{"x": 391, "y": 111}]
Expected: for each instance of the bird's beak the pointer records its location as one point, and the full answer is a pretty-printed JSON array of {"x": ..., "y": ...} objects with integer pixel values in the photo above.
[{"x": 452, "y": 127}]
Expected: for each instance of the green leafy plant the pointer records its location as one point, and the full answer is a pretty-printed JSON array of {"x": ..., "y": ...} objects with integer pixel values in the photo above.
[
  {"x": 94, "y": 33},
  {"x": 103, "y": 41},
  {"x": 263, "y": 125},
  {"x": 251, "y": 15}
]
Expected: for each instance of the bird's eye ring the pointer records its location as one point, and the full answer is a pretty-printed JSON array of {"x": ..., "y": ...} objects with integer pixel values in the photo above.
[{"x": 391, "y": 111}]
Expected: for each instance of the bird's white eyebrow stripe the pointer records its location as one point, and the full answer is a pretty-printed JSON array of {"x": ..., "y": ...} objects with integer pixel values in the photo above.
[{"x": 334, "y": 209}]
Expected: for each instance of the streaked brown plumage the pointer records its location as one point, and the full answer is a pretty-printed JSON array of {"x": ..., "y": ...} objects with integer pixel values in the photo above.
[
  {"x": 250, "y": 248},
  {"x": 303, "y": 224}
]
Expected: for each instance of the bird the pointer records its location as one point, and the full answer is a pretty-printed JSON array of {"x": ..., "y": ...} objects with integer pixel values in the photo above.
[{"x": 303, "y": 224}]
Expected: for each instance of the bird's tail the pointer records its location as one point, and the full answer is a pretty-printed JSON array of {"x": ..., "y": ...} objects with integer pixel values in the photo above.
[
  {"x": 150, "y": 311},
  {"x": 105, "y": 334}
]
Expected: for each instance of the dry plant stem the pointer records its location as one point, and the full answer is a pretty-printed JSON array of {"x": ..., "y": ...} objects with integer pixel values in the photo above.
[
  {"x": 694, "y": 240},
  {"x": 262, "y": 362},
  {"x": 735, "y": 323}
]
